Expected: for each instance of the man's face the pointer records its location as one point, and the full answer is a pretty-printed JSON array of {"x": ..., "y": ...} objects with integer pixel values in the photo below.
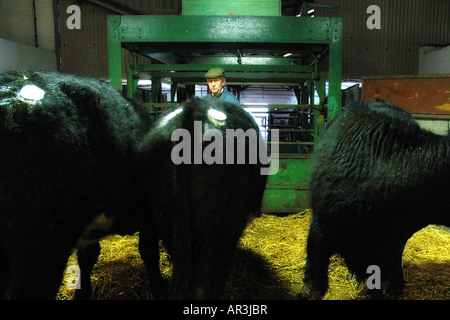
[{"x": 215, "y": 85}]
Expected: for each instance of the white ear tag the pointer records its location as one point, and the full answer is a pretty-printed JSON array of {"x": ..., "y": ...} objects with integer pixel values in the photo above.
[
  {"x": 31, "y": 93},
  {"x": 218, "y": 115}
]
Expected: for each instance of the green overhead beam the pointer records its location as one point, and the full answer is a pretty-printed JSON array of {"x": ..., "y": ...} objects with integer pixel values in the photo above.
[
  {"x": 170, "y": 58},
  {"x": 273, "y": 76},
  {"x": 231, "y": 29},
  {"x": 234, "y": 60},
  {"x": 226, "y": 67}
]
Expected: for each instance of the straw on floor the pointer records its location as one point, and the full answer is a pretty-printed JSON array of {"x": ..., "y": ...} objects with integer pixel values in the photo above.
[{"x": 269, "y": 264}]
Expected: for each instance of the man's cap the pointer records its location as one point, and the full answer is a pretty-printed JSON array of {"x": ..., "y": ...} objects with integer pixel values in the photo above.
[{"x": 215, "y": 73}]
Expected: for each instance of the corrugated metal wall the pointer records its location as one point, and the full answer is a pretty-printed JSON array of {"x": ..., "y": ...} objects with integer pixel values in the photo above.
[
  {"x": 85, "y": 51},
  {"x": 406, "y": 25}
]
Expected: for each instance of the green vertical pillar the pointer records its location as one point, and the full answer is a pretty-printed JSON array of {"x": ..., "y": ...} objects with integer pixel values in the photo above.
[
  {"x": 173, "y": 91},
  {"x": 319, "y": 117},
  {"x": 156, "y": 89},
  {"x": 335, "y": 70},
  {"x": 114, "y": 53},
  {"x": 132, "y": 82}
]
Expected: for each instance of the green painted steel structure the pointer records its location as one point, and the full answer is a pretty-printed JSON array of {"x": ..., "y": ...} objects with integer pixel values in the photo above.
[
  {"x": 251, "y": 49},
  {"x": 232, "y": 7}
]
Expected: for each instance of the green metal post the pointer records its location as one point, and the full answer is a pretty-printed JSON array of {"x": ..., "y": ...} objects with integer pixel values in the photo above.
[
  {"x": 132, "y": 78},
  {"x": 319, "y": 117},
  {"x": 114, "y": 53},
  {"x": 335, "y": 75},
  {"x": 311, "y": 91},
  {"x": 173, "y": 91},
  {"x": 156, "y": 89},
  {"x": 132, "y": 82}
]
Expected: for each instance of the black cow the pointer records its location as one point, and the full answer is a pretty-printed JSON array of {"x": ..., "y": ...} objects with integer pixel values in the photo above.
[
  {"x": 377, "y": 178},
  {"x": 67, "y": 154},
  {"x": 201, "y": 207}
]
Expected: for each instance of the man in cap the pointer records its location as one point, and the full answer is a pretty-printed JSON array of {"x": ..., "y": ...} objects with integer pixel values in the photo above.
[{"x": 216, "y": 80}]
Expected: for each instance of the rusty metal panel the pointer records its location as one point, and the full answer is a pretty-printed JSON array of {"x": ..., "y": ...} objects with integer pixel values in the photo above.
[{"x": 417, "y": 94}]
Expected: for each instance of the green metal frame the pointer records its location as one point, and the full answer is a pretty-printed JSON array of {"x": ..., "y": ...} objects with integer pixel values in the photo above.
[
  {"x": 235, "y": 7},
  {"x": 170, "y": 39}
]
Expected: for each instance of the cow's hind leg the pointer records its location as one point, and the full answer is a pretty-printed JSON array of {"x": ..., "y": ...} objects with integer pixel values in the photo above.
[{"x": 318, "y": 257}]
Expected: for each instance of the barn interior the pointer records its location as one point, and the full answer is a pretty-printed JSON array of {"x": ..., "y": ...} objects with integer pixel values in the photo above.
[{"x": 294, "y": 65}]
